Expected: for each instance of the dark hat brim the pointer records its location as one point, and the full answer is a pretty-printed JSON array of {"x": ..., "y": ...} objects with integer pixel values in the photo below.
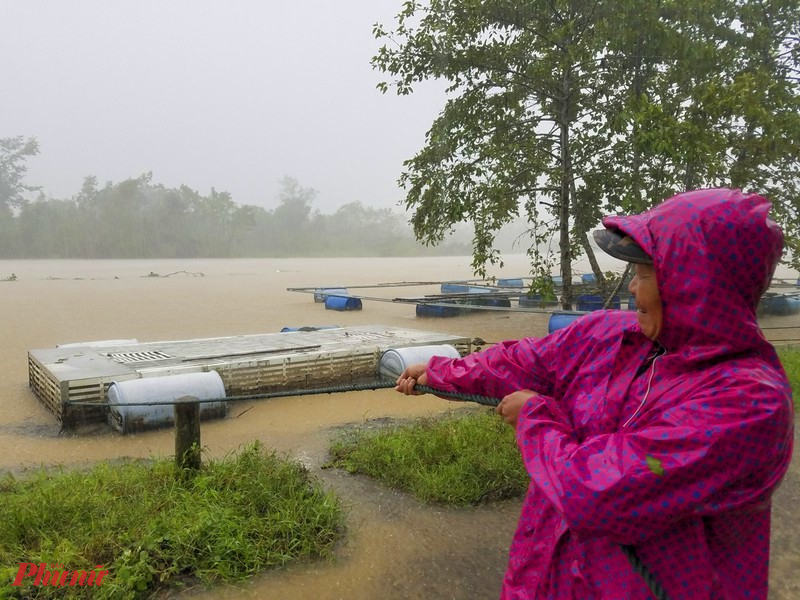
[{"x": 621, "y": 246}]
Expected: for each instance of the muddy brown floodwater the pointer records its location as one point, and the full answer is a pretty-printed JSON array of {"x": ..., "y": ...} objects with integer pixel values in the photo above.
[{"x": 395, "y": 547}]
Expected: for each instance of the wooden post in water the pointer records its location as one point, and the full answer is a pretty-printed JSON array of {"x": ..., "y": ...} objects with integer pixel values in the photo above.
[{"x": 187, "y": 433}]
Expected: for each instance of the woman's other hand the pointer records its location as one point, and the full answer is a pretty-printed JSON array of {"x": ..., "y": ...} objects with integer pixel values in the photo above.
[
  {"x": 510, "y": 406},
  {"x": 413, "y": 375}
]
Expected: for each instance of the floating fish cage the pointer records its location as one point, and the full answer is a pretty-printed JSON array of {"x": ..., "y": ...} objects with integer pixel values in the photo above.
[{"x": 247, "y": 364}]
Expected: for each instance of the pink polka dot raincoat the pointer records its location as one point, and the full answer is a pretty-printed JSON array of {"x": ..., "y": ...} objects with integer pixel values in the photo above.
[{"x": 680, "y": 460}]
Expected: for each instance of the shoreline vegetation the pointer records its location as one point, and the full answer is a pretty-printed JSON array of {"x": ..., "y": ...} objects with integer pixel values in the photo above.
[
  {"x": 790, "y": 357},
  {"x": 154, "y": 529},
  {"x": 140, "y": 219},
  {"x": 151, "y": 527}
]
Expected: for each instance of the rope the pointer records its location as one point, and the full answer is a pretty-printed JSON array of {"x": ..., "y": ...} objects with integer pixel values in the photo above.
[
  {"x": 629, "y": 551},
  {"x": 643, "y": 571},
  {"x": 332, "y": 389},
  {"x": 484, "y": 400}
]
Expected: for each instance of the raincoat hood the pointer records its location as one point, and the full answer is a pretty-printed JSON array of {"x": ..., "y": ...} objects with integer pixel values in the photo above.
[{"x": 714, "y": 253}]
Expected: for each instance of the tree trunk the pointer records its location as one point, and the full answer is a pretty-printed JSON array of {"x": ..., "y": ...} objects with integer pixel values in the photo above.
[
  {"x": 564, "y": 204},
  {"x": 610, "y": 297},
  {"x": 599, "y": 276},
  {"x": 689, "y": 177}
]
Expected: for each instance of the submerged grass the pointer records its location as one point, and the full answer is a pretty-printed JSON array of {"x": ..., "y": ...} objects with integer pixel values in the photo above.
[
  {"x": 150, "y": 527},
  {"x": 455, "y": 460},
  {"x": 790, "y": 357}
]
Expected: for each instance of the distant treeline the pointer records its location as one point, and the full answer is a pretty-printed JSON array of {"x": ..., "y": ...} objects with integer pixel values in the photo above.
[{"x": 139, "y": 219}]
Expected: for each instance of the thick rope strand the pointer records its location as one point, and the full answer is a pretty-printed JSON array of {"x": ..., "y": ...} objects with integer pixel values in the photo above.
[
  {"x": 644, "y": 572},
  {"x": 332, "y": 389}
]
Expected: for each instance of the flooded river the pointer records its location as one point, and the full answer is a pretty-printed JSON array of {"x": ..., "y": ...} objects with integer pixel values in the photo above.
[{"x": 395, "y": 547}]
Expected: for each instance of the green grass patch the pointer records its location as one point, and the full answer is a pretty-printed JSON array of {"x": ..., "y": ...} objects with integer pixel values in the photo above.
[
  {"x": 455, "y": 460},
  {"x": 790, "y": 357},
  {"x": 151, "y": 527}
]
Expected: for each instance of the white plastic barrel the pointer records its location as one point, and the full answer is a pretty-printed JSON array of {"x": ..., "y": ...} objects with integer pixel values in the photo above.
[
  {"x": 126, "y": 419},
  {"x": 395, "y": 361}
]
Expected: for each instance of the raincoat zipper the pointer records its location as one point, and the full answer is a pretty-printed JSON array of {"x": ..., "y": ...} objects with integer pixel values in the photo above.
[{"x": 661, "y": 351}]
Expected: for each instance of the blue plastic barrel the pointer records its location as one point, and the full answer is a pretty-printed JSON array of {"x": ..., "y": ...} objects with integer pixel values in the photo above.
[
  {"x": 454, "y": 288},
  {"x": 559, "y": 320},
  {"x": 342, "y": 303},
  {"x": 515, "y": 283},
  {"x": 771, "y": 305},
  {"x": 320, "y": 294},
  {"x": 309, "y": 328},
  {"x": 632, "y": 303},
  {"x": 588, "y": 278},
  {"x": 588, "y": 302},
  {"x": 781, "y": 305},
  {"x": 426, "y": 310}
]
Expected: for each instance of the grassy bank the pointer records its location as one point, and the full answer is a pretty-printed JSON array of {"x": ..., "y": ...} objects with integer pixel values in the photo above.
[
  {"x": 458, "y": 459},
  {"x": 790, "y": 357},
  {"x": 150, "y": 527}
]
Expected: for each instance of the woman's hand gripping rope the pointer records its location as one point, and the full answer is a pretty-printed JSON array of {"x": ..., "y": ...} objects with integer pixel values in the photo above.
[
  {"x": 511, "y": 405},
  {"x": 508, "y": 408},
  {"x": 409, "y": 378}
]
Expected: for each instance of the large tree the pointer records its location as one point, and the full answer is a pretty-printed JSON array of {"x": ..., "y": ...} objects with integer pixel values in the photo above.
[
  {"x": 707, "y": 95},
  {"x": 14, "y": 151},
  {"x": 520, "y": 77},
  {"x": 565, "y": 109}
]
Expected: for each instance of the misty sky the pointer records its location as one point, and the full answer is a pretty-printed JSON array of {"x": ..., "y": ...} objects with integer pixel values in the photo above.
[{"x": 233, "y": 94}]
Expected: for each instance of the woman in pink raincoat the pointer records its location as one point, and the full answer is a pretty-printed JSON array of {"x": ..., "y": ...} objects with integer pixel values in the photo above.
[{"x": 666, "y": 429}]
